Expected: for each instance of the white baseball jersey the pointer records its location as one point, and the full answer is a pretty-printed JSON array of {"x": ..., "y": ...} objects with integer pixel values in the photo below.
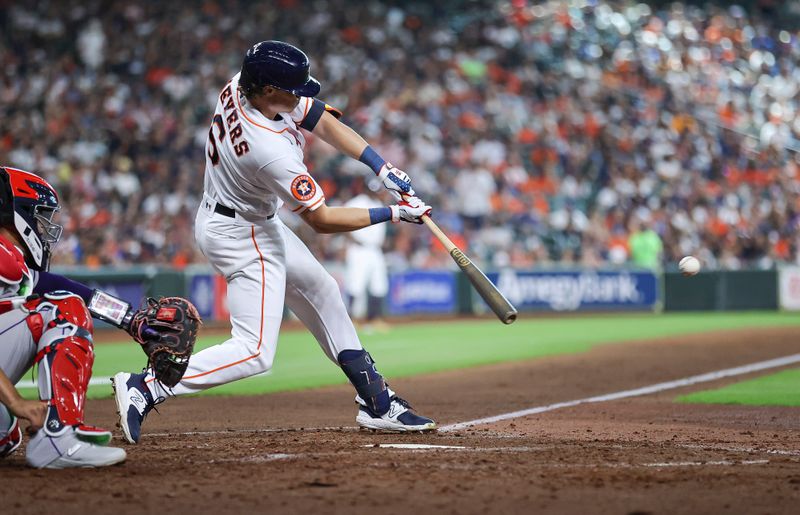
[{"x": 254, "y": 164}]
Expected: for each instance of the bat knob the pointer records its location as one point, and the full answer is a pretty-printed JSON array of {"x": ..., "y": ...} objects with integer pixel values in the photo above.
[{"x": 510, "y": 318}]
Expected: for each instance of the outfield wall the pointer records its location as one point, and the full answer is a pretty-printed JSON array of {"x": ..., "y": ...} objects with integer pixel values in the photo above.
[{"x": 447, "y": 292}]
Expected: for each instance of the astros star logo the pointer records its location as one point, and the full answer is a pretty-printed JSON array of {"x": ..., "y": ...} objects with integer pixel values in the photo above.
[{"x": 303, "y": 187}]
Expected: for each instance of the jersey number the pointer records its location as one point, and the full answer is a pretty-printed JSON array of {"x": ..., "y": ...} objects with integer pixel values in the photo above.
[{"x": 213, "y": 154}]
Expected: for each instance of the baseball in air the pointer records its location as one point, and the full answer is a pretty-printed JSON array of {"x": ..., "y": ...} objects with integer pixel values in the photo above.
[{"x": 689, "y": 265}]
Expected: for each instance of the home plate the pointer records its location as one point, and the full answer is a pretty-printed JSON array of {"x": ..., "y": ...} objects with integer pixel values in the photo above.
[{"x": 415, "y": 446}]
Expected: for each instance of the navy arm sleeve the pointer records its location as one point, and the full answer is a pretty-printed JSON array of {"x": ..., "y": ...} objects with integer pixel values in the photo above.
[
  {"x": 52, "y": 282},
  {"x": 315, "y": 113}
]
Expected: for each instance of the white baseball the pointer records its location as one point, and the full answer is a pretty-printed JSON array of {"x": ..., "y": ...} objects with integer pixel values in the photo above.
[{"x": 689, "y": 265}]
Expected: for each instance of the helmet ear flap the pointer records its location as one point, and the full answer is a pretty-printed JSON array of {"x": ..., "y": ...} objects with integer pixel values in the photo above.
[{"x": 39, "y": 253}]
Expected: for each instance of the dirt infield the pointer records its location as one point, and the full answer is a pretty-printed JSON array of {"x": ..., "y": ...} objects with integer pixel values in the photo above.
[{"x": 300, "y": 452}]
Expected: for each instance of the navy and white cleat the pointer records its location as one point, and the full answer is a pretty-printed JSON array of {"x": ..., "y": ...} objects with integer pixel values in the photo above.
[
  {"x": 399, "y": 418},
  {"x": 134, "y": 402}
]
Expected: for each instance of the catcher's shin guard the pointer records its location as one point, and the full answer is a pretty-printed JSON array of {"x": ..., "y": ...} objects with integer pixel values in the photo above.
[
  {"x": 65, "y": 365},
  {"x": 369, "y": 384}
]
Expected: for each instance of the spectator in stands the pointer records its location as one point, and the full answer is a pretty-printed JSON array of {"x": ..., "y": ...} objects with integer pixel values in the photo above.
[
  {"x": 646, "y": 247},
  {"x": 558, "y": 122}
]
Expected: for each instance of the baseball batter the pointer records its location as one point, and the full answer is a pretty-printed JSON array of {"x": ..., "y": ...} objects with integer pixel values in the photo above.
[{"x": 254, "y": 164}]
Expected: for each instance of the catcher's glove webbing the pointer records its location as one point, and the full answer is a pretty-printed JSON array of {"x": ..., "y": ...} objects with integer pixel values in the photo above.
[{"x": 176, "y": 322}]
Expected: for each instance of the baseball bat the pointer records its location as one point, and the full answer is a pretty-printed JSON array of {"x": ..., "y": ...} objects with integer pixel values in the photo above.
[{"x": 499, "y": 304}]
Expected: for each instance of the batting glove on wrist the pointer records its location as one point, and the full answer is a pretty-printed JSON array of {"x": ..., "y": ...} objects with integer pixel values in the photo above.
[
  {"x": 396, "y": 181},
  {"x": 410, "y": 209}
]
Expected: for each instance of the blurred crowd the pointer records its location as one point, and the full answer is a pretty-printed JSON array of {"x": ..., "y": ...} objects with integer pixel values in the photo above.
[{"x": 563, "y": 133}]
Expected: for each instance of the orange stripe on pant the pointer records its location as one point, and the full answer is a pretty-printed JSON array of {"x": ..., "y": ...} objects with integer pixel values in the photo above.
[{"x": 261, "y": 330}]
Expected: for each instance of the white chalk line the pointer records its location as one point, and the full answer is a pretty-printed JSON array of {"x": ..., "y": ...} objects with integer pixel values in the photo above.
[
  {"x": 414, "y": 446},
  {"x": 659, "y": 387},
  {"x": 513, "y": 449},
  {"x": 746, "y": 450},
  {"x": 253, "y": 431},
  {"x": 95, "y": 381},
  {"x": 704, "y": 463},
  {"x": 270, "y": 457},
  {"x": 645, "y": 390},
  {"x": 99, "y": 381}
]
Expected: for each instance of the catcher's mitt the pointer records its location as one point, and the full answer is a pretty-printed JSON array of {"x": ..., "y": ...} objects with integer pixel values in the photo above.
[{"x": 167, "y": 329}]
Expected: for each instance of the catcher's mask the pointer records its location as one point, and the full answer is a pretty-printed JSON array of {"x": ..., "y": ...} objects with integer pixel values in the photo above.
[{"x": 28, "y": 204}]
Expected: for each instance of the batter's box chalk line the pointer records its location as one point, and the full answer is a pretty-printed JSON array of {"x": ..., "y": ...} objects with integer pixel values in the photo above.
[{"x": 645, "y": 390}]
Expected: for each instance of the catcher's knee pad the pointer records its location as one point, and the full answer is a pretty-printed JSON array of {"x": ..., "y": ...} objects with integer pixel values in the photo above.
[
  {"x": 10, "y": 432},
  {"x": 65, "y": 360},
  {"x": 369, "y": 384},
  {"x": 58, "y": 314}
]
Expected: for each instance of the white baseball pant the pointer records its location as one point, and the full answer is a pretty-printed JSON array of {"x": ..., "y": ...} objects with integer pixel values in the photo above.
[
  {"x": 17, "y": 351},
  {"x": 263, "y": 262}
]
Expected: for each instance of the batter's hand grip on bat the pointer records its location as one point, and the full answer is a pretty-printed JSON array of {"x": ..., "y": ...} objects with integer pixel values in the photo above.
[{"x": 488, "y": 291}]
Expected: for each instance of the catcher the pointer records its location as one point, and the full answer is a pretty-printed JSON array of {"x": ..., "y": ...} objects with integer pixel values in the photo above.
[{"x": 46, "y": 319}]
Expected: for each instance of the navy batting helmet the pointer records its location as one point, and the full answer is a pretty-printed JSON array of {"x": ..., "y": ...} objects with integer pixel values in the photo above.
[{"x": 280, "y": 65}]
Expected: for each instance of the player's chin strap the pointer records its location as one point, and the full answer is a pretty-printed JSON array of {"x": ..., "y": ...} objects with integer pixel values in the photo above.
[{"x": 369, "y": 384}]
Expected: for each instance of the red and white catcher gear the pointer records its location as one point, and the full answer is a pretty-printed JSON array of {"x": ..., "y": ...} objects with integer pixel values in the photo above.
[
  {"x": 15, "y": 276},
  {"x": 28, "y": 204},
  {"x": 65, "y": 362},
  {"x": 12, "y": 439}
]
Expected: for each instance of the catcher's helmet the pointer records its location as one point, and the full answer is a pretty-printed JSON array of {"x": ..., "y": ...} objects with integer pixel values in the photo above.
[
  {"x": 280, "y": 65},
  {"x": 27, "y": 205}
]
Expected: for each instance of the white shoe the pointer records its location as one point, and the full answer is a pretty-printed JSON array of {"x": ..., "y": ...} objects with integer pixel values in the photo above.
[
  {"x": 399, "y": 418},
  {"x": 67, "y": 450}
]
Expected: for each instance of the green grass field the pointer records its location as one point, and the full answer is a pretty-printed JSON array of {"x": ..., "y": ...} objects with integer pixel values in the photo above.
[
  {"x": 780, "y": 389},
  {"x": 419, "y": 348}
]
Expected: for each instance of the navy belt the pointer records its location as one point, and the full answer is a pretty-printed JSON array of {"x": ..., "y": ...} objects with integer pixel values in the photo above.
[
  {"x": 224, "y": 210},
  {"x": 230, "y": 213}
]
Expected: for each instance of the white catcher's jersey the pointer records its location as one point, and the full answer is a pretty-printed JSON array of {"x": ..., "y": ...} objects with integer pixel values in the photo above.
[{"x": 254, "y": 164}]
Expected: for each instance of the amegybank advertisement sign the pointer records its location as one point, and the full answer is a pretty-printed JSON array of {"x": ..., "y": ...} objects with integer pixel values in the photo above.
[
  {"x": 578, "y": 290},
  {"x": 422, "y": 291}
]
